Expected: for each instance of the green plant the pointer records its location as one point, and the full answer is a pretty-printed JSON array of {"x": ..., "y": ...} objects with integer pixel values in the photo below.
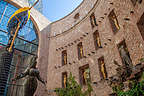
[
  {"x": 73, "y": 88},
  {"x": 137, "y": 88}
]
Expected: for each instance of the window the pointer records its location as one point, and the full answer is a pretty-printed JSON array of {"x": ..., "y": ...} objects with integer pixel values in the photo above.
[
  {"x": 102, "y": 68},
  {"x": 139, "y": 1},
  {"x": 64, "y": 79},
  {"x": 97, "y": 42},
  {"x": 64, "y": 57},
  {"x": 76, "y": 16},
  {"x": 135, "y": 1},
  {"x": 80, "y": 51},
  {"x": 93, "y": 20},
  {"x": 140, "y": 25},
  {"x": 114, "y": 22},
  {"x": 125, "y": 56},
  {"x": 84, "y": 72}
]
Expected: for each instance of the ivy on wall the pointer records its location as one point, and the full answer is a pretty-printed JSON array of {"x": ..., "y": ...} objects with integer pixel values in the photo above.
[
  {"x": 136, "y": 88},
  {"x": 73, "y": 88}
]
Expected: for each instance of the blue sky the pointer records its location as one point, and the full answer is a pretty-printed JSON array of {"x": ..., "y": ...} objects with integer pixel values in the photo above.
[{"x": 56, "y": 9}]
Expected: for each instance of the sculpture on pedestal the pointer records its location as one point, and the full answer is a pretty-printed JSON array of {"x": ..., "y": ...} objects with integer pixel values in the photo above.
[{"x": 31, "y": 74}]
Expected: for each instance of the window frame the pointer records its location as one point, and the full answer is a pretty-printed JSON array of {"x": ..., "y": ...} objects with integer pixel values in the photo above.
[
  {"x": 100, "y": 68},
  {"x": 93, "y": 20},
  {"x": 80, "y": 50},
  {"x": 125, "y": 45},
  {"x": 96, "y": 43},
  {"x": 81, "y": 72},
  {"x": 64, "y": 52},
  {"x": 140, "y": 25},
  {"x": 134, "y": 2},
  {"x": 114, "y": 22},
  {"x": 63, "y": 74}
]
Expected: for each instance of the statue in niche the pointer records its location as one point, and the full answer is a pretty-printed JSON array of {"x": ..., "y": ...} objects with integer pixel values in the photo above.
[
  {"x": 103, "y": 70},
  {"x": 125, "y": 58},
  {"x": 31, "y": 75},
  {"x": 86, "y": 75},
  {"x": 65, "y": 81},
  {"x": 126, "y": 69},
  {"x": 123, "y": 71}
]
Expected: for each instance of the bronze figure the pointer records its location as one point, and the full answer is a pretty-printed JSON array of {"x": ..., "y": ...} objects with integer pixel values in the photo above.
[
  {"x": 31, "y": 75},
  {"x": 125, "y": 58}
]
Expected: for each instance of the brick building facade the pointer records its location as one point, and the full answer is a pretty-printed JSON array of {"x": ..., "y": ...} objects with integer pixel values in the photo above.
[{"x": 92, "y": 38}]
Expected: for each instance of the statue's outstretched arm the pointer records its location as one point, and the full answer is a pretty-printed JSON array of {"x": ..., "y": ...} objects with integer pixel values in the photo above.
[
  {"x": 40, "y": 79},
  {"x": 25, "y": 73}
]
